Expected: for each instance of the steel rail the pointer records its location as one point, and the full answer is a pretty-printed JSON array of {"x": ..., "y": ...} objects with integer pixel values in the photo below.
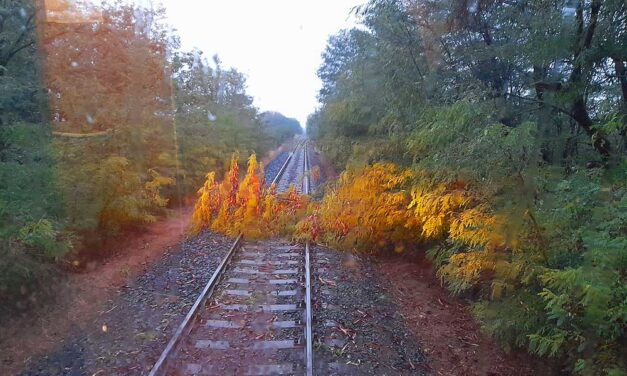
[
  {"x": 308, "y": 311},
  {"x": 308, "y": 314},
  {"x": 306, "y": 172},
  {"x": 185, "y": 326},
  {"x": 284, "y": 167}
]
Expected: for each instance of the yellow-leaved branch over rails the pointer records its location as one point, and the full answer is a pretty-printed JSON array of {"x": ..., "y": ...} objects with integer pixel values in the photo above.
[
  {"x": 247, "y": 206},
  {"x": 383, "y": 207}
]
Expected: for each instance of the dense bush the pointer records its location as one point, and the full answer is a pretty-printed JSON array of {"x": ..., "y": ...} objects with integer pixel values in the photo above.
[
  {"x": 367, "y": 210},
  {"x": 31, "y": 212}
]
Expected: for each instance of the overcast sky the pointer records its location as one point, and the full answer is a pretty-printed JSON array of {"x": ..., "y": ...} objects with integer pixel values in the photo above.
[{"x": 276, "y": 43}]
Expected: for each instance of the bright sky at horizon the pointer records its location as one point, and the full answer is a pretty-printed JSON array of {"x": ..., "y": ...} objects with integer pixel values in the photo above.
[{"x": 277, "y": 44}]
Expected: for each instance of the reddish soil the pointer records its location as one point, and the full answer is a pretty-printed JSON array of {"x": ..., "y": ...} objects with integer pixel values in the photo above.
[
  {"x": 451, "y": 338},
  {"x": 83, "y": 296}
]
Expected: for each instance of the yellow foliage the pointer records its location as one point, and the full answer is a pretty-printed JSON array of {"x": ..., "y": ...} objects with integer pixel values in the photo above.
[
  {"x": 227, "y": 197},
  {"x": 476, "y": 227},
  {"x": 231, "y": 207},
  {"x": 153, "y": 188},
  {"x": 383, "y": 207},
  {"x": 468, "y": 266},
  {"x": 206, "y": 204},
  {"x": 249, "y": 198},
  {"x": 379, "y": 207},
  {"x": 367, "y": 210},
  {"x": 435, "y": 208},
  {"x": 453, "y": 211}
]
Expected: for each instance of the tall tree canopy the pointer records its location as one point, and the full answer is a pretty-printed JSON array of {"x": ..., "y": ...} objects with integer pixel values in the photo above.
[{"x": 281, "y": 126}]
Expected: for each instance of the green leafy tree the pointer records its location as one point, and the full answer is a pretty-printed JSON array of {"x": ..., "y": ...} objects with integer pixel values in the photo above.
[{"x": 279, "y": 126}]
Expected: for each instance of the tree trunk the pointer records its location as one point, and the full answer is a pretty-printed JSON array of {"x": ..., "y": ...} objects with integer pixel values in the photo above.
[
  {"x": 580, "y": 114},
  {"x": 578, "y": 109},
  {"x": 621, "y": 74}
]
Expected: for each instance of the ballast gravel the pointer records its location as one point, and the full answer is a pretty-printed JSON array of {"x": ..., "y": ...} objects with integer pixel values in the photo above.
[
  {"x": 128, "y": 337},
  {"x": 358, "y": 329}
]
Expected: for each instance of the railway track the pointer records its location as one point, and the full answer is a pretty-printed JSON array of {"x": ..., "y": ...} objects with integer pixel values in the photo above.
[
  {"x": 295, "y": 171},
  {"x": 254, "y": 316}
]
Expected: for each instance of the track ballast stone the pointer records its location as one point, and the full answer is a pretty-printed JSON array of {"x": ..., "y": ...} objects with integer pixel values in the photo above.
[
  {"x": 358, "y": 329},
  {"x": 272, "y": 169},
  {"x": 128, "y": 337}
]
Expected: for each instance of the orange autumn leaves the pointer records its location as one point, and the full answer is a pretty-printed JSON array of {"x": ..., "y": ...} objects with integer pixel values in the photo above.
[
  {"x": 376, "y": 208},
  {"x": 383, "y": 208},
  {"x": 386, "y": 206},
  {"x": 366, "y": 209},
  {"x": 232, "y": 207}
]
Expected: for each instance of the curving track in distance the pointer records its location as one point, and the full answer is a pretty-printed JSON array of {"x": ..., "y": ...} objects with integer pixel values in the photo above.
[{"x": 254, "y": 315}]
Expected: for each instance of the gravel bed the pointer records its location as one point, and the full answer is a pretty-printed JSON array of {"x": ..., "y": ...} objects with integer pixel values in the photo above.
[
  {"x": 293, "y": 174},
  {"x": 272, "y": 169},
  {"x": 358, "y": 329},
  {"x": 129, "y": 336},
  {"x": 255, "y": 326}
]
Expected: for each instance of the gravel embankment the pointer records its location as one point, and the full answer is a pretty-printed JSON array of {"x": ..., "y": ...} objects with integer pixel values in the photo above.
[
  {"x": 272, "y": 169},
  {"x": 128, "y": 337},
  {"x": 358, "y": 329}
]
